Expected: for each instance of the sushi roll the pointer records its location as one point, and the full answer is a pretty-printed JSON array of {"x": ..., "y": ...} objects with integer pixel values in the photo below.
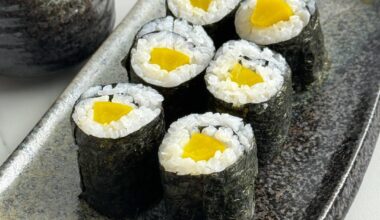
[
  {"x": 118, "y": 129},
  {"x": 294, "y": 31},
  {"x": 171, "y": 56},
  {"x": 216, "y": 16},
  {"x": 255, "y": 84},
  {"x": 208, "y": 168}
]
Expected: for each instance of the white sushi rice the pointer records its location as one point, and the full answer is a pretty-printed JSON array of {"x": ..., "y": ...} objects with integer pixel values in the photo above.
[
  {"x": 178, "y": 35},
  {"x": 193, "y": 33},
  {"x": 217, "y": 10},
  {"x": 279, "y": 32},
  {"x": 237, "y": 136},
  {"x": 271, "y": 66},
  {"x": 146, "y": 101}
]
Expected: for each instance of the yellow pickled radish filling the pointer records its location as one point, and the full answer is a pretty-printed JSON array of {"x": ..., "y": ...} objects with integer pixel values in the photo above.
[
  {"x": 202, "y": 147},
  {"x": 270, "y": 12},
  {"x": 244, "y": 76},
  {"x": 168, "y": 59},
  {"x": 107, "y": 112},
  {"x": 202, "y": 4}
]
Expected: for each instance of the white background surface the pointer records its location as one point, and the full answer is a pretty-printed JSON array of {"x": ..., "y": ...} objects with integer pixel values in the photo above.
[{"x": 23, "y": 103}]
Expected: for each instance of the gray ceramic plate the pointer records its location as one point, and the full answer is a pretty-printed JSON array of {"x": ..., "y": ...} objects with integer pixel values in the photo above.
[{"x": 317, "y": 175}]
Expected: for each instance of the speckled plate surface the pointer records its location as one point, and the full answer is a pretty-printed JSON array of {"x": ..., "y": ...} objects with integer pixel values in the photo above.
[{"x": 317, "y": 175}]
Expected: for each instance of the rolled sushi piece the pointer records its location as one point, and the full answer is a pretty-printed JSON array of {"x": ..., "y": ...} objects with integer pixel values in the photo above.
[
  {"x": 216, "y": 16},
  {"x": 208, "y": 168},
  {"x": 254, "y": 84},
  {"x": 171, "y": 56},
  {"x": 118, "y": 129},
  {"x": 294, "y": 31}
]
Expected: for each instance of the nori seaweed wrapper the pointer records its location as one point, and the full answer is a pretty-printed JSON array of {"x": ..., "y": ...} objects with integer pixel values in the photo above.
[
  {"x": 227, "y": 195},
  {"x": 270, "y": 120},
  {"x": 223, "y": 30},
  {"x": 189, "y": 97},
  {"x": 306, "y": 53},
  {"x": 186, "y": 98},
  {"x": 220, "y": 31},
  {"x": 120, "y": 177}
]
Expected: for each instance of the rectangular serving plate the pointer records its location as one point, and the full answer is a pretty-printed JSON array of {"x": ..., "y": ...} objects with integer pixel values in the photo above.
[{"x": 331, "y": 139}]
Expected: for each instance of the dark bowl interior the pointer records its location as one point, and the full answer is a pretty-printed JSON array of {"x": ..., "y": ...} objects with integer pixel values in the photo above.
[{"x": 40, "y": 37}]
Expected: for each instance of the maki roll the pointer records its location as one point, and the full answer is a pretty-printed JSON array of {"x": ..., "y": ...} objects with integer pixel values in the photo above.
[
  {"x": 118, "y": 129},
  {"x": 208, "y": 168},
  {"x": 216, "y": 16},
  {"x": 170, "y": 55},
  {"x": 294, "y": 31},
  {"x": 254, "y": 84}
]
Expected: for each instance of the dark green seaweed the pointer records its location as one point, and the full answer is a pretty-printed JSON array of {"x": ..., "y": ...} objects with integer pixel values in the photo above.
[
  {"x": 120, "y": 177},
  {"x": 220, "y": 31},
  {"x": 306, "y": 54},
  {"x": 223, "y": 30},
  {"x": 227, "y": 195},
  {"x": 189, "y": 97},
  {"x": 270, "y": 120}
]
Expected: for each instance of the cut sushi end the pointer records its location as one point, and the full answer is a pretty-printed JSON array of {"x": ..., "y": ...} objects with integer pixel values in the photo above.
[
  {"x": 202, "y": 4},
  {"x": 205, "y": 144},
  {"x": 107, "y": 112},
  {"x": 116, "y": 111},
  {"x": 243, "y": 73},
  {"x": 268, "y": 22},
  {"x": 202, "y": 12},
  {"x": 270, "y": 12},
  {"x": 202, "y": 147},
  {"x": 168, "y": 59},
  {"x": 169, "y": 52},
  {"x": 245, "y": 76}
]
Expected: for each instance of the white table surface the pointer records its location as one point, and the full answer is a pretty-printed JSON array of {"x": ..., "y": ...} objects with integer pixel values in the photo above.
[{"x": 23, "y": 103}]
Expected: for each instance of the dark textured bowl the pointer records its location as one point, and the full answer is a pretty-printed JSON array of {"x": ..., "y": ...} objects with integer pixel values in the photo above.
[
  {"x": 316, "y": 176},
  {"x": 39, "y": 37}
]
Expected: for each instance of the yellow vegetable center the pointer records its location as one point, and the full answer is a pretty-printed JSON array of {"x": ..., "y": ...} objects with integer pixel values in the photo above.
[
  {"x": 168, "y": 59},
  {"x": 202, "y": 147},
  {"x": 269, "y": 12},
  {"x": 202, "y": 4},
  {"x": 106, "y": 112},
  {"x": 245, "y": 76}
]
